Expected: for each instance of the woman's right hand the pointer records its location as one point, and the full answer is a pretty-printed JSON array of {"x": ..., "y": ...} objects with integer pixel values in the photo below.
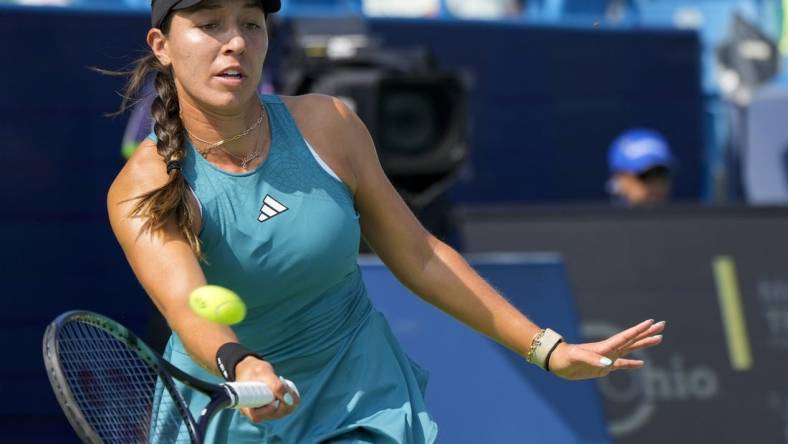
[{"x": 253, "y": 369}]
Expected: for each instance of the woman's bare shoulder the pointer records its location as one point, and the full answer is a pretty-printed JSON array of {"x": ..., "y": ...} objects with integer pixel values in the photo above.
[
  {"x": 144, "y": 171},
  {"x": 331, "y": 128},
  {"x": 318, "y": 110}
]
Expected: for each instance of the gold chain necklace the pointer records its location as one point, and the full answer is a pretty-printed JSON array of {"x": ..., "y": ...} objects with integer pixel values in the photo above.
[{"x": 246, "y": 158}]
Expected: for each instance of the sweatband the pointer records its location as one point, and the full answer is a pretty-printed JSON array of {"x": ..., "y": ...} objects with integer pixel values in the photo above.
[{"x": 229, "y": 355}]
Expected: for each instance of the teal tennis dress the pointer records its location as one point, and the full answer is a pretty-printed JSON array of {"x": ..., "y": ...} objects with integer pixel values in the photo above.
[{"x": 285, "y": 236}]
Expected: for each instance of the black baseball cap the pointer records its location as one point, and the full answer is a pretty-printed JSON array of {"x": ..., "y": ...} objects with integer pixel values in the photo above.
[{"x": 160, "y": 8}]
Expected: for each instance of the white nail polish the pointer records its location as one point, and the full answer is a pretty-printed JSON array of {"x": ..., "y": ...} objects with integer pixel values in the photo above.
[{"x": 605, "y": 361}]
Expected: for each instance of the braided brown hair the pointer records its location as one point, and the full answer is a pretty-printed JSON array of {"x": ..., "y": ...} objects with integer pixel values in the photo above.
[{"x": 172, "y": 199}]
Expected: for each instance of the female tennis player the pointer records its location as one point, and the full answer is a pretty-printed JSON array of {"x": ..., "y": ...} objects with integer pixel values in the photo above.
[{"x": 269, "y": 196}]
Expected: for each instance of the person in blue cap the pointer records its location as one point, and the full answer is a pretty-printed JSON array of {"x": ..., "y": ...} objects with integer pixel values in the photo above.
[
  {"x": 270, "y": 196},
  {"x": 641, "y": 166}
]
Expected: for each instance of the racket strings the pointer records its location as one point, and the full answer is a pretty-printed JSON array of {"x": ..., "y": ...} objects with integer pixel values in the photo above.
[{"x": 118, "y": 391}]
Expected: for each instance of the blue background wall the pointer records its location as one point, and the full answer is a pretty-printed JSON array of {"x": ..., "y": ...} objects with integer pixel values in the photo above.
[{"x": 545, "y": 101}]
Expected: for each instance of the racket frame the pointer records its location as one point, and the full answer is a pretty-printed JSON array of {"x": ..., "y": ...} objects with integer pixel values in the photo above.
[{"x": 221, "y": 396}]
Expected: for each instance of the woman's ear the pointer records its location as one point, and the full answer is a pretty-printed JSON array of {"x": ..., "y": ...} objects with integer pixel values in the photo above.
[{"x": 158, "y": 44}]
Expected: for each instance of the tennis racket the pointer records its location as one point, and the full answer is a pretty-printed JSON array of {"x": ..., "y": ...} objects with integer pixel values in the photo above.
[{"x": 114, "y": 389}]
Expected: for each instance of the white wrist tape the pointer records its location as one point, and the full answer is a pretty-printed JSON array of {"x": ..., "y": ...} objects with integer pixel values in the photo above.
[{"x": 545, "y": 345}]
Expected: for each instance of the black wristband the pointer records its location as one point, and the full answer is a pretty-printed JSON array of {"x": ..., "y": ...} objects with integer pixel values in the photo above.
[
  {"x": 547, "y": 359},
  {"x": 229, "y": 355}
]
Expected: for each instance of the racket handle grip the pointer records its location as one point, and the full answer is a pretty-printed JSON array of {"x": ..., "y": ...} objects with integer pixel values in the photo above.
[
  {"x": 248, "y": 394},
  {"x": 252, "y": 394}
]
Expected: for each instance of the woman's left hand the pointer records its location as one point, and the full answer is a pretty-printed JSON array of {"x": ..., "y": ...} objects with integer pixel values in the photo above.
[{"x": 597, "y": 359}]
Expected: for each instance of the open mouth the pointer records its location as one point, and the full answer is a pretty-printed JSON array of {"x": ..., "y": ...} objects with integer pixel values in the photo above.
[{"x": 232, "y": 74}]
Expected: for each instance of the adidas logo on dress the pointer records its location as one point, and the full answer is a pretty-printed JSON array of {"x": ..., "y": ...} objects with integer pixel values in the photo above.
[{"x": 271, "y": 208}]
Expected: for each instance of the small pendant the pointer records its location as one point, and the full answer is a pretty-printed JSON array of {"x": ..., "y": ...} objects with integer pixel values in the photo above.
[{"x": 248, "y": 158}]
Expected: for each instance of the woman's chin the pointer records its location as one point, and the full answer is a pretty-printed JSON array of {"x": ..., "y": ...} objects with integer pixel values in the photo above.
[{"x": 230, "y": 101}]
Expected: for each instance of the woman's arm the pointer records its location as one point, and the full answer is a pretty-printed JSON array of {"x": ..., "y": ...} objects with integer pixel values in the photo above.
[
  {"x": 163, "y": 261},
  {"x": 167, "y": 268},
  {"x": 439, "y": 275}
]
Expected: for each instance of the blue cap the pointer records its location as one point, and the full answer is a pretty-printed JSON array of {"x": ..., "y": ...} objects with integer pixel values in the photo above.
[{"x": 639, "y": 150}]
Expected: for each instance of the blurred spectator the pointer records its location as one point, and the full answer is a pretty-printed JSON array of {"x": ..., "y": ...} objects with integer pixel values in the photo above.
[
  {"x": 402, "y": 8},
  {"x": 485, "y": 9},
  {"x": 641, "y": 166},
  {"x": 470, "y": 9},
  {"x": 40, "y": 2}
]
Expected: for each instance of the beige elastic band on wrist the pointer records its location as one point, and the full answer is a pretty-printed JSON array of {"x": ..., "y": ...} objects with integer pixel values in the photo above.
[{"x": 545, "y": 345}]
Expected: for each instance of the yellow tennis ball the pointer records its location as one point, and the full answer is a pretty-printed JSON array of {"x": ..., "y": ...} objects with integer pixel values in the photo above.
[
  {"x": 217, "y": 304},
  {"x": 128, "y": 149}
]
